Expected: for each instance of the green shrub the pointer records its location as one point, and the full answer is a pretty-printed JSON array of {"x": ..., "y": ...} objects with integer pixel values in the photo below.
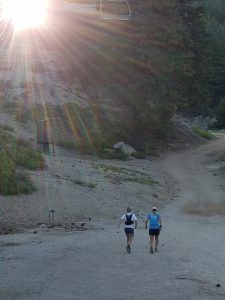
[
  {"x": 7, "y": 128},
  {"x": 17, "y": 153},
  {"x": 22, "y": 142},
  {"x": 112, "y": 155},
  {"x": 7, "y": 173},
  {"x": 139, "y": 155},
  {"x": 90, "y": 185},
  {"x": 29, "y": 158},
  {"x": 203, "y": 133},
  {"x": 18, "y": 110},
  {"x": 114, "y": 169},
  {"x": 24, "y": 183},
  {"x": 11, "y": 181}
]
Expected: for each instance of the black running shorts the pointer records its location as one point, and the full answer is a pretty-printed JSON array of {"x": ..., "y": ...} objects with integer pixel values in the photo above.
[
  {"x": 129, "y": 231},
  {"x": 154, "y": 231}
]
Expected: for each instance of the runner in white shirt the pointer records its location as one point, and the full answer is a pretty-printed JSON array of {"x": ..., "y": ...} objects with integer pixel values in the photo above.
[{"x": 130, "y": 223}]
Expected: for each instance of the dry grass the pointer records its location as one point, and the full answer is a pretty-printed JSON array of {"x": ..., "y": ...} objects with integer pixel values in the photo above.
[{"x": 205, "y": 209}]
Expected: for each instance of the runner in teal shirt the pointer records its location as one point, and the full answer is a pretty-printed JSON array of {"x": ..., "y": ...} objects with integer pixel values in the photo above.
[{"x": 155, "y": 225}]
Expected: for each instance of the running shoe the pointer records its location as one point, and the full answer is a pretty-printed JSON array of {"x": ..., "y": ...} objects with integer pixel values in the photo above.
[
  {"x": 128, "y": 248},
  {"x": 151, "y": 250}
]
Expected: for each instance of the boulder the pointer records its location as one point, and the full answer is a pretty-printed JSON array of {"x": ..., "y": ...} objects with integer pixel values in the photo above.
[
  {"x": 124, "y": 148},
  {"x": 118, "y": 146}
]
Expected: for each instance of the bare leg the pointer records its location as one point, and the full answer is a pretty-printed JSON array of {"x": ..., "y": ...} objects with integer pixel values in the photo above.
[
  {"x": 151, "y": 243},
  {"x": 129, "y": 239},
  {"x": 151, "y": 240},
  {"x": 156, "y": 242}
]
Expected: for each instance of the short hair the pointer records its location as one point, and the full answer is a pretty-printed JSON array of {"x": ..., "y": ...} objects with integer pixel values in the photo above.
[{"x": 128, "y": 209}]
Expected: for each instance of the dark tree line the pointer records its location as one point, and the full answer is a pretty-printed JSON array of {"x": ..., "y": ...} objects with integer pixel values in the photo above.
[{"x": 203, "y": 85}]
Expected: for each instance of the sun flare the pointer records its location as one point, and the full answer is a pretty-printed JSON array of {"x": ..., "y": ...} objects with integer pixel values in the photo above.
[{"x": 25, "y": 13}]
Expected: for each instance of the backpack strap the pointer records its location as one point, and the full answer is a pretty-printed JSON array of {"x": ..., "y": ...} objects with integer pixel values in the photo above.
[{"x": 129, "y": 216}]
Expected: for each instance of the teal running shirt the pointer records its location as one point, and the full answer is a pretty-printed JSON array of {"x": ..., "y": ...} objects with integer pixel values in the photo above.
[{"x": 154, "y": 221}]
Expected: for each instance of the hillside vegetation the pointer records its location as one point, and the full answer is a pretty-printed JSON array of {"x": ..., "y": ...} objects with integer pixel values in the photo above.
[
  {"x": 17, "y": 156},
  {"x": 169, "y": 58}
]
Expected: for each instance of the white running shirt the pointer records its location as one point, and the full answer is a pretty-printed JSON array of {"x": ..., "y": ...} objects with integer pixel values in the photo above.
[{"x": 134, "y": 218}]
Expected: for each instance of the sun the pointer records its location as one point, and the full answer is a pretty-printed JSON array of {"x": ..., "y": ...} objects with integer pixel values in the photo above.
[{"x": 25, "y": 13}]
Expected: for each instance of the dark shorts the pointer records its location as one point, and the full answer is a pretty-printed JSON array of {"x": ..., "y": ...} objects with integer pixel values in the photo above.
[
  {"x": 154, "y": 231},
  {"x": 129, "y": 231}
]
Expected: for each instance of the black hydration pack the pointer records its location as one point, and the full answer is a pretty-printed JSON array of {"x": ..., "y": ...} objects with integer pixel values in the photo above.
[{"x": 128, "y": 220}]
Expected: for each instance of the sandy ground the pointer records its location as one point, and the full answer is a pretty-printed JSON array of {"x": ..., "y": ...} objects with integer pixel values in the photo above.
[{"x": 93, "y": 264}]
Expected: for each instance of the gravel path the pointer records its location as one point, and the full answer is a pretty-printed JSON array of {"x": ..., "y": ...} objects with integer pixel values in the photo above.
[{"x": 93, "y": 264}]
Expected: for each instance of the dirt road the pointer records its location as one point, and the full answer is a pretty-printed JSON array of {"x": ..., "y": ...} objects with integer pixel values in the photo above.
[{"x": 94, "y": 264}]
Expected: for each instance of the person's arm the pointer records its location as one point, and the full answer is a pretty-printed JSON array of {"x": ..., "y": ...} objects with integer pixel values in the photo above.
[
  {"x": 119, "y": 223},
  {"x": 134, "y": 219},
  {"x": 146, "y": 223},
  {"x": 160, "y": 222},
  {"x": 122, "y": 219}
]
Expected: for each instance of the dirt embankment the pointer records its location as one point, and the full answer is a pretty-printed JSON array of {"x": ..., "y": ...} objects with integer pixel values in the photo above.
[{"x": 80, "y": 187}]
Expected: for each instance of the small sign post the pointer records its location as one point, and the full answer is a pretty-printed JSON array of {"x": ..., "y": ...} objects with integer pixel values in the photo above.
[{"x": 51, "y": 217}]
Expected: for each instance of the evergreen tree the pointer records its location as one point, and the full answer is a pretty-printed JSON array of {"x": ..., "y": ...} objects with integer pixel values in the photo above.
[{"x": 195, "y": 67}]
